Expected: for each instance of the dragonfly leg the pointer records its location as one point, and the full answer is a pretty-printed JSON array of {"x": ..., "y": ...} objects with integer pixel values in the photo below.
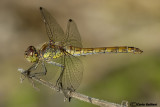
[
  {"x": 27, "y": 72},
  {"x": 59, "y": 81},
  {"x": 40, "y": 73},
  {"x": 67, "y": 91}
]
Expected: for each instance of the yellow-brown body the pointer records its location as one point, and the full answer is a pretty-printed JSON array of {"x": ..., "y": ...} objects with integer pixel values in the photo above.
[
  {"x": 50, "y": 51},
  {"x": 88, "y": 51}
]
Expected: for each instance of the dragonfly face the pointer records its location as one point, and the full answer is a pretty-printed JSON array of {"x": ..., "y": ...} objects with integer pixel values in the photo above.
[{"x": 31, "y": 54}]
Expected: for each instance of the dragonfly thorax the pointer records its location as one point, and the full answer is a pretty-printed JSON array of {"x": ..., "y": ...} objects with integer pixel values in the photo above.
[
  {"x": 31, "y": 54},
  {"x": 50, "y": 51}
]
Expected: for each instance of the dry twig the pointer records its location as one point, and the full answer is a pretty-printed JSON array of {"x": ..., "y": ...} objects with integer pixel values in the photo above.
[{"x": 79, "y": 96}]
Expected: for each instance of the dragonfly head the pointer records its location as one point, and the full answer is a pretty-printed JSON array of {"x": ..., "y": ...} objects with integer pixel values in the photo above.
[{"x": 31, "y": 54}]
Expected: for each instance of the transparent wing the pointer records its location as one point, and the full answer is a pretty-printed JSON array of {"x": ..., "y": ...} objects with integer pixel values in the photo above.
[
  {"x": 53, "y": 29},
  {"x": 73, "y": 72},
  {"x": 73, "y": 37}
]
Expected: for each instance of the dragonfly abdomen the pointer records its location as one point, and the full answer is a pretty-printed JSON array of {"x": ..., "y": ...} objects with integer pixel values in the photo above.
[{"x": 88, "y": 51}]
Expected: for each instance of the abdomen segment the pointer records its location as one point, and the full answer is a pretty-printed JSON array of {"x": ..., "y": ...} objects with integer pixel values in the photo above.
[{"x": 87, "y": 51}]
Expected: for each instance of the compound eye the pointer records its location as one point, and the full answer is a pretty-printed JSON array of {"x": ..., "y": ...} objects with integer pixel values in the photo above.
[
  {"x": 31, "y": 54},
  {"x": 31, "y": 50},
  {"x": 26, "y": 53}
]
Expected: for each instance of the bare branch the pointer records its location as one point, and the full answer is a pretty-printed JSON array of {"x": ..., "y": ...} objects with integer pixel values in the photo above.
[{"x": 79, "y": 96}]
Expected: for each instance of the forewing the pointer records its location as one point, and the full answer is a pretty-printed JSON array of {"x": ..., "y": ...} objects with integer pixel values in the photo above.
[
  {"x": 73, "y": 37},
  {"x": 53, "y": 29}
]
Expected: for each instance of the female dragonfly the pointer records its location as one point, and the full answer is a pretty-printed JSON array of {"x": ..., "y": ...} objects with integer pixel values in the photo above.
[{"x": 62, "y": 50}]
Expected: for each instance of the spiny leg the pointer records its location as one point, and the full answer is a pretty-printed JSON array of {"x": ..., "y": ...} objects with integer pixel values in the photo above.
[
  {"x": 40, "y": 73},
  {"x": 59, "y": 83},
  {"x": 59, "y": 65},
  {"x": 59, "y": 80},
  {"x": 27, "y": 72},
  {"x": 33, "y": 67}
]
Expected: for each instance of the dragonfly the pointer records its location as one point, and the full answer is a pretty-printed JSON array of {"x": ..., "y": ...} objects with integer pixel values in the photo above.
[{"x": 63, "y": 51}]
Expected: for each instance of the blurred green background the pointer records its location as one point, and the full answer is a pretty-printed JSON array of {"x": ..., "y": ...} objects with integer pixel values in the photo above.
[{"x": 111, "y": 77}]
